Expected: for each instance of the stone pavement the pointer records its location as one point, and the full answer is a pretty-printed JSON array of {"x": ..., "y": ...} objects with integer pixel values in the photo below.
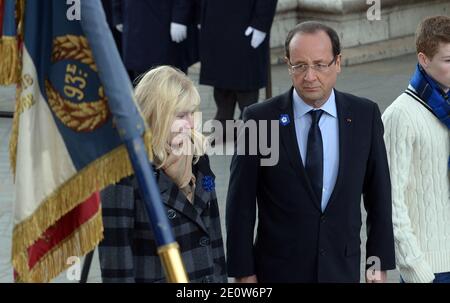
[{"x": 380, "y": 81}]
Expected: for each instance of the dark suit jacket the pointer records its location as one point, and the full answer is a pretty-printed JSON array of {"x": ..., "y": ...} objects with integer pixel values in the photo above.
[
  {"x": 228, "y": 60},
  {"x": 295, "y": 241},
  {"x": 146, "y": 40}
]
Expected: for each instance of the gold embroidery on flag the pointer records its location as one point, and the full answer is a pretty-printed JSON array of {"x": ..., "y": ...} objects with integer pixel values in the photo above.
[
  {"x": 78, "y": 116},
  {"x": 81, "y": 117},
  {"x": 74, "y": 48}
]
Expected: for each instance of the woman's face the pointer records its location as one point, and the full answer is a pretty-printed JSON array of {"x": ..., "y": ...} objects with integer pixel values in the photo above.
[{"x": 180, "y": 130}]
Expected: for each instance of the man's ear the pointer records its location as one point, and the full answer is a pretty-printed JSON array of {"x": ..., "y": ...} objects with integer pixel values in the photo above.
[
  {"x": 423, "y": 59},
  {"x": 338, "y": 63},
  {"x": 288, "y": 64}
]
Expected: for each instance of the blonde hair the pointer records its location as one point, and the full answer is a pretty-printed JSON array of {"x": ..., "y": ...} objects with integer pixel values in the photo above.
[{"x": 161, "y": 93}]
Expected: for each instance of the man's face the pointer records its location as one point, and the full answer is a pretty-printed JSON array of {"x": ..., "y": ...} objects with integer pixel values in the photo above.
[
  {"x": 439, "y": 66},
  {"x": 314, "y": 86}
]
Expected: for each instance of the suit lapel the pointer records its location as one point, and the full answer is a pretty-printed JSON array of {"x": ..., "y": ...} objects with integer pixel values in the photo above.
[
  {"x": 174, "y": 198},
  {"x": 289, "y": 141},
  {"x": 345, "y": 136}
]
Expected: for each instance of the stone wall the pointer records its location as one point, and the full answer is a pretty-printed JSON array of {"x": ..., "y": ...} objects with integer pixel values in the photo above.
[{"x": 363, "y": 40}]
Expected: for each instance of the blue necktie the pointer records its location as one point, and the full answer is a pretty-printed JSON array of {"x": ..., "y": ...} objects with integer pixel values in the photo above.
[{"x": 314, "y": 154}]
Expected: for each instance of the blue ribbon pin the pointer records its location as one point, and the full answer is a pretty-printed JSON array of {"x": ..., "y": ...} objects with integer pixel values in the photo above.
[
  {"x": 208, "y": 183},
  {"x": 284, "y": 119}
]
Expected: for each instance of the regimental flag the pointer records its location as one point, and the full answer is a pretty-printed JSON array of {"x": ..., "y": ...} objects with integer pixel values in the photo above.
[{"x": 65, "y": 144}]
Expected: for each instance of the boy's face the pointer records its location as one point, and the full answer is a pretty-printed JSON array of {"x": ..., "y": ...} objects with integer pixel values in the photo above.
[{"x": 439, "y": 66}]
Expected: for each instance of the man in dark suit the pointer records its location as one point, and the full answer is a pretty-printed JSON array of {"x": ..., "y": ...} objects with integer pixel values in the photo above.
[
  {"x": 234, "y": 52},
  {"x": 309, "y": 203},
  {"x": 157, "y": 32}
]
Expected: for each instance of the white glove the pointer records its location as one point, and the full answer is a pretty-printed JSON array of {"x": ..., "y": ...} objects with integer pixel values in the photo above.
[
  {"x": 178, "y": 32},
  {"x": 119, "y": 27},
  {"x": 257, "y": 38}
]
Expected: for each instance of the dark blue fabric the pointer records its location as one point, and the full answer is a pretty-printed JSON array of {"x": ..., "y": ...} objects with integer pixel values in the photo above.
[
  {"x": 146, "y": 40},
  {"x": 430, "y": 92},
  {"x": 9, "y": 23},
  {"x": 228, "y": 60},
  {"x": 443, "y": 277},
  {"x": 314, "y": 154},
  {"x": 435, "y": 97}
]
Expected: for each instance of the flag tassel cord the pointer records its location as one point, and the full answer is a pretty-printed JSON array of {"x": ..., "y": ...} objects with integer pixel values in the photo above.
[{"x": 10, "y": 69}]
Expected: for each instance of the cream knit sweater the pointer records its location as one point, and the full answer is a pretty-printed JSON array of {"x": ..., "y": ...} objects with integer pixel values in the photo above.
[{"x": 418, "y": 147}]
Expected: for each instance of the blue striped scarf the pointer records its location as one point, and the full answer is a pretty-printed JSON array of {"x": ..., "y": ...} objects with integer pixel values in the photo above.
[{"x": 433, "y": 95}]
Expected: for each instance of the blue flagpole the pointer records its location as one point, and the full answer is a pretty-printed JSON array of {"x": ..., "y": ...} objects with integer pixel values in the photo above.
[
  {"x": 9, "y": 22},
  {"x": 119, "y": 91}
]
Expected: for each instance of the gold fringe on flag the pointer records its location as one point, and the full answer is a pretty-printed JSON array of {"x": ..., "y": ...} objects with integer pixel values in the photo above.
[
  {"x": 20, "y": 13},
  {"x": 10, "y": 67},
  {"x": 15, "y": 132},
  {"x": 102, "y": 172},
  {"x": 83, "y": 240}
]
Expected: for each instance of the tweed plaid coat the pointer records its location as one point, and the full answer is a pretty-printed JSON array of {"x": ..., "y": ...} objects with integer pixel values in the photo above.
[{"x": 128, "y": 252}]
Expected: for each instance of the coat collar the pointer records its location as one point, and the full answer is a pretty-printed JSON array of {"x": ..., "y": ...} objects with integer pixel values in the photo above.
[{"x": 174, "y": 198}]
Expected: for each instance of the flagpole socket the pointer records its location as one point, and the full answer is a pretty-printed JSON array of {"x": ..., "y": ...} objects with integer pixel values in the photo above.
[{"x": 172, "y": 263}]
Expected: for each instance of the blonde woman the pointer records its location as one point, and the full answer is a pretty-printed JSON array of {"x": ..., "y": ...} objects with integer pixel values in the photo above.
[{"x": 167, "y": 99}]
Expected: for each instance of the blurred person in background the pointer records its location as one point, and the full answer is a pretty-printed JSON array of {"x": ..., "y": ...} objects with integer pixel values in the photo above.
[
  {"x": 234, "y": 51},
  {"x": 157, "y": 32}
]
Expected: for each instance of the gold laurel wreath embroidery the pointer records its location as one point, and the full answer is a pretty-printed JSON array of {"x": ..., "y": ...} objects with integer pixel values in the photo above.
[
  {"x": 74, "y": 48},
  {"x": 81, "y": 117}
]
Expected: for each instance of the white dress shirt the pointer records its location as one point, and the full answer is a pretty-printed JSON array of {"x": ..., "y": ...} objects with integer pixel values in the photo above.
[{"x": 329, "y": 127}]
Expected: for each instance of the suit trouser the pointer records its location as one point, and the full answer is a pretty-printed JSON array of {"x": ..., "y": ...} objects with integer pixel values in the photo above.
[{"x": 226, "y": 100}]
